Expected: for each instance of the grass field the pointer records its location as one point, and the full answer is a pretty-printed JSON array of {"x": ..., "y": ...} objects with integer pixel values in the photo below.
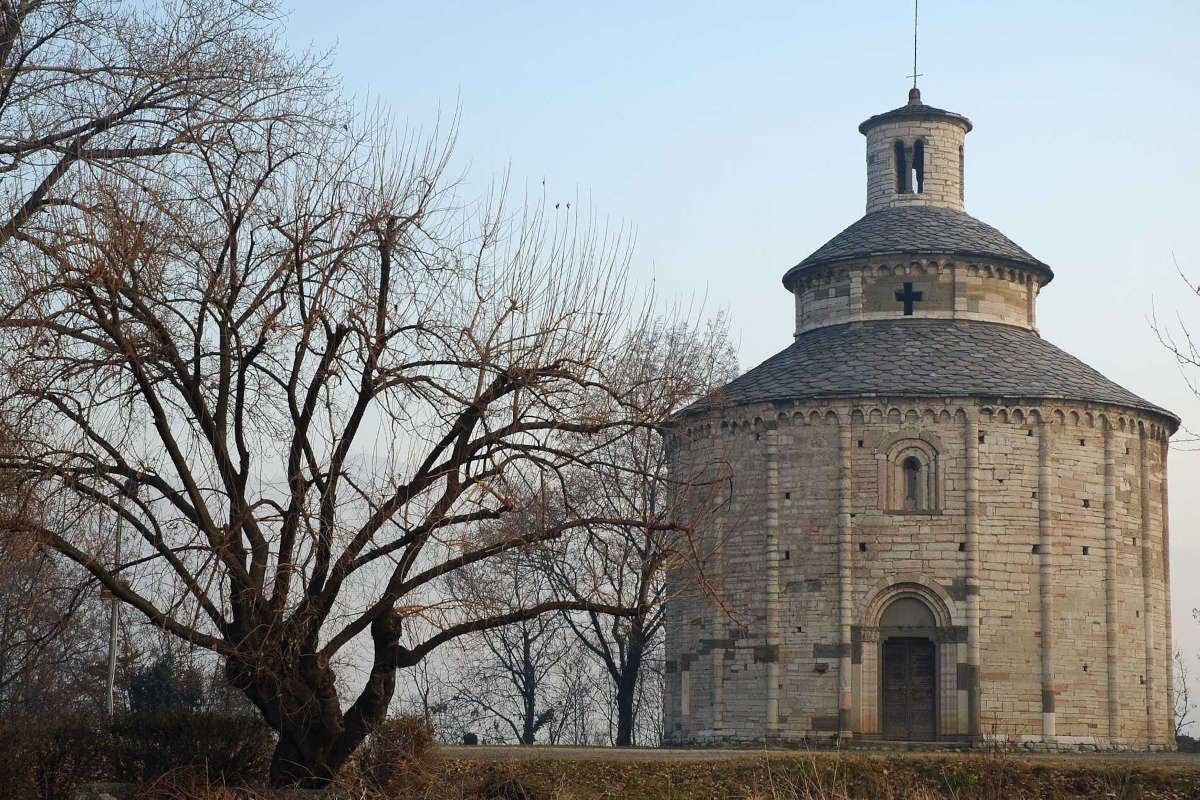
[{"x": 579, "y": 774}]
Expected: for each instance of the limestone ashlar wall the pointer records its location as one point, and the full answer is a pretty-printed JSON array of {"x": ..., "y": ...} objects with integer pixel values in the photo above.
[
  {"x": 717, "y": 651},
  {"x": 1077, "y": 555},
  {"x": 1010, "y": 628},
  {"x": 1150, "y": 580},
  {"x": 809, "y": 654},
  {"x": 950, "y": 289},
  {"x": 1130, "y": 713},
  {"x": 802, "y": 584}
]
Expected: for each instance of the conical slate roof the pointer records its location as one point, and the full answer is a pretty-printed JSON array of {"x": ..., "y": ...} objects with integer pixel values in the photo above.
[
  {"x": 919, "y": 230},
  {"x": 924, "y": 358},
  {"x": 914, "y": 109}
]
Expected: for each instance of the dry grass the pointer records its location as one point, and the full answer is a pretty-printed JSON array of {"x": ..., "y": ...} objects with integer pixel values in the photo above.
[
  {"x": 828, "y": 776},
  {"x": 815, "y": 776}
]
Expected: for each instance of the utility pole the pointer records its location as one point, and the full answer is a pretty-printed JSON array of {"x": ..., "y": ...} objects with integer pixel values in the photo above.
[{"x": 114, "y": 613}]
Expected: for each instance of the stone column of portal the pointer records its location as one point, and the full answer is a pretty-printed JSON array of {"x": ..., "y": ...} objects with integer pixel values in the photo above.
[
  {"x": 772, "y": 587},
  {"x": 1166, "y": 554},
  {"x": 1110, "y": 584},
  {"x": 971, "y": 509},
  {"x": 1045, "y": 585},
  {"x": 845, "y": 575},
  {"x": 1147, "y": 579}
]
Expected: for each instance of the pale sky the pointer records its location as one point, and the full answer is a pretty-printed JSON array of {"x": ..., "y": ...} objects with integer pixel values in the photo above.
[{"x": 725, "y": 136}]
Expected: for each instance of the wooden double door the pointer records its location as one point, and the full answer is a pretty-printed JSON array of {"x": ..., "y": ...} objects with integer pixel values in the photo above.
[{"x": 908, "y": 694}]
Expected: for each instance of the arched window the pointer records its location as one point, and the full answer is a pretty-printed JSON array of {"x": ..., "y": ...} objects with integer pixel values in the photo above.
[
  {"x": 902, "y": 186},
  {"x": 961, "y": 169},
  {"x": 918, "y": 166},
  {"x": 912, "y": 483},
  {"x": 910, "y": 167},
  {"x": 910, "y": 477}
]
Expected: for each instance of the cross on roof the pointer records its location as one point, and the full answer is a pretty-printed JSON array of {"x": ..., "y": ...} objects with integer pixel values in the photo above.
[{"x": 908, "y": 297}]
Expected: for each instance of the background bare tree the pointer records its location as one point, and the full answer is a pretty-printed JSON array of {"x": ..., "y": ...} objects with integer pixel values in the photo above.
[
  {"x": 509, "y": 673},
  {"x": 1184, "y": 707},
  {"x": 52, "y": 635},
  {"x": 428, "y": 691},
  {"x": 52, "y": 644},
  {"x": 631, "y": 481}
]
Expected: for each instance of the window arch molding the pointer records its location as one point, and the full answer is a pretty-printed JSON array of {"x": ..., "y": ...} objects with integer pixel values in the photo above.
[{"x": 910, "y": 476}]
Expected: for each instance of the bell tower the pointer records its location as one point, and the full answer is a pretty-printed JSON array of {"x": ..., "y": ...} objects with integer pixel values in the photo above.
[{"x": 915, "y": 156}]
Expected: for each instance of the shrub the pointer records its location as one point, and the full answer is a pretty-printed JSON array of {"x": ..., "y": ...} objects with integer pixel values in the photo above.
[
  {"x": 164, "y": 686},
  {"x": 396, "y": 754},
  {"x": 503, "y": 783},
  {"x": 42, "y": 760},
  {"x": 230, "y": 748}
]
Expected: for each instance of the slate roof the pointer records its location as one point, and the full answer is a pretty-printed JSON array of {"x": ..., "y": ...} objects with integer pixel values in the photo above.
[
  {"x": 924, "y": 230},
  {"x": 924, "y": 358},
  {"x": 915, "y": 109}
]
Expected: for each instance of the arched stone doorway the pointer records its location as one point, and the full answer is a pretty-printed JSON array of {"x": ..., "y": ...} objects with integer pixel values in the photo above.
[
  {"x": 908, "y": 670},
  {"x": 909, "y": 607}
]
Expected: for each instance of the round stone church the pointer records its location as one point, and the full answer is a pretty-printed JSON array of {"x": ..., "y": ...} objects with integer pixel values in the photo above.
[{"x": 924, "y": 522}]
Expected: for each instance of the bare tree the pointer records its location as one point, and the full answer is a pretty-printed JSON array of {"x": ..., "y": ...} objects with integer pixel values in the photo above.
[
  {"x": 632, "y": 481},
  {"x": 51, "y": 639},
  {"x": 510, "y": 671},
  {"x": 301, "y": 375},
  {"x": 581, "y": 701},
  {"x": 1184, "y": 707},
  {"x": 428, "y": 691},
  {"x": 101, "y": 88}
]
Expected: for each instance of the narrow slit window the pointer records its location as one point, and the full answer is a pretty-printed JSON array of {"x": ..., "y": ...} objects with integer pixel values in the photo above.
[
  {"x": 912, "y": 483},
  {"x": 918, "y": 166},
  {"x": 961, "y": 169},
  {"x": 901, "y": 169}
]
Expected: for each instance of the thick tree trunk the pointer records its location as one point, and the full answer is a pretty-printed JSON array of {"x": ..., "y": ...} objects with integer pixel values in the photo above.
[
  {"x": 303, "y": 761},
  {"x": 626, "y": 692},
  {"x": 314, "y": 746},
  {"x": 299, "y": 700},
  {"x": 627, "y": 683},
  {"x": 529, "y": 686}
]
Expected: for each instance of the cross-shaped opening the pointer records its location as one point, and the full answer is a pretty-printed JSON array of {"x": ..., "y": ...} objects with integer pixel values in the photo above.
[{"x": 908, "y": 297}]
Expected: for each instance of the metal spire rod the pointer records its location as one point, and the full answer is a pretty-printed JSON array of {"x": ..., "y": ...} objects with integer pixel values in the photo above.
[{"x": 915, "y": 75}]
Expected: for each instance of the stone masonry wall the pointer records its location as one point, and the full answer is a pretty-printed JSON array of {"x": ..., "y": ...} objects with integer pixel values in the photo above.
[
  {"x": 1064, "y": 503},
  {"x": 950, "y": 288},
  {"x": 943, "y": 143}
]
